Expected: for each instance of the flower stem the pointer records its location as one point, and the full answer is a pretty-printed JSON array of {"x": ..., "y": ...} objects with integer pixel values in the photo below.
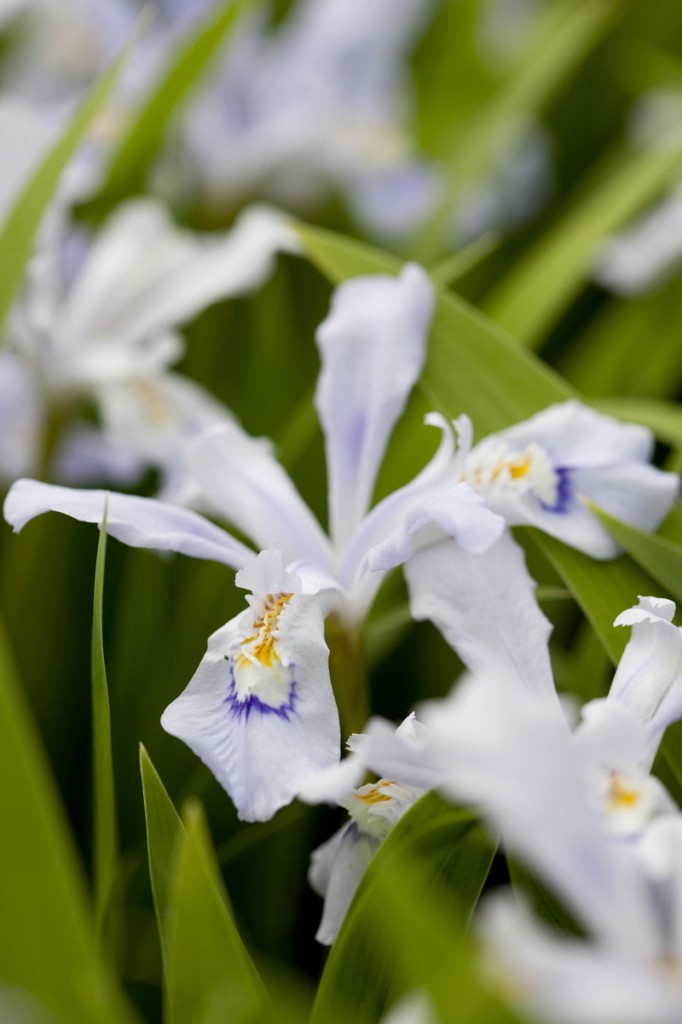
[{"x": 348, "y": 669}]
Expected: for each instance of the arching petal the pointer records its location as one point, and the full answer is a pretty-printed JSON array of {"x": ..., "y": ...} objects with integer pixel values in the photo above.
[
  {"x": 336, "y": 870},
  {"x": 241, "y": 479},
  {"x": 144, "y": 275},
  {"x": 372, "y": 346},
  {"x": 259, "y": 710},
  {"x": 139, "y": 522},
  {"x": 485, "y": 607}
]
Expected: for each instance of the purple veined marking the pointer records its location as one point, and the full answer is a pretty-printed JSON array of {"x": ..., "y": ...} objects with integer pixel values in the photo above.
[
  {"x": 564, "y": 492},
  {"x": 243, "y": 708}
]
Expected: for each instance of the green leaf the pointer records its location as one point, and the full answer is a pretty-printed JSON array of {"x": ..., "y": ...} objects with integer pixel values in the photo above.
[
  {"x": 607, "y": 357},
  {"x": 447, "y": 846},
  {"x": 18, "y": 230},
  {"x": 567, "y": 32},
  {"x": 210, "y": 975},
  {"x": 544, "y": 282},
  {"x": 473, "y": 366},
  {"x": 452, "y": 268},
  {"x": 544, "y": 903},
  {"x": 47, "y": 933},
  {"x": 132, "y": 159},
  {"x": 105, "y": 844},
  {"x": 164, "y": 833},
  {"x": 662, "y": 558}
]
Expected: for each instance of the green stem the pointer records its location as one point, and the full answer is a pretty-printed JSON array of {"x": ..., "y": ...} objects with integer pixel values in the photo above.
[{"x": 348, "y": 671}]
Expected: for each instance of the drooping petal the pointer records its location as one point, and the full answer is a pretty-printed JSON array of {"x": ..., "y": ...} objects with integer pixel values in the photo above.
[
  {"x": 338, "y": 866},
  {"x": 259, "y": 711},
  {"x": 485, "y": 607},
  {"x": 139, "y": 522},
  {"x": 336, "y": 870},
  {"x": 372, "y": 347},
  {"x": 243, "y": 482}
]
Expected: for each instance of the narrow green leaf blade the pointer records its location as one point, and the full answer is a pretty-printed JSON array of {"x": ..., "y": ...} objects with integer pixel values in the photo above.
[
  {"x": 133, "y": 158},
  {"x": 662, "y": 558},
  {"x": 451, "y": 849},
  {"x": 567, "y": 32},
  {"x": 542, "y": 284},
  {"x": 47, "y": 934},
  {"x": 18, "y": 230},
  {"x": 164, "y": 833},
  {"x": 210, "y": 975},
  {"x": 105, "y": 843}
]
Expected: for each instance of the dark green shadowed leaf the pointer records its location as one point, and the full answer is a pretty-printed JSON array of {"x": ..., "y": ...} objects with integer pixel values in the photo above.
[
  {"x": 18, "y": 231},
  {"x": 134, "y": 156},
  {"x": 47, "y": 933},
  {"x": 103, "y": 794},
  {"x": 210, "y": 975},
  {"x": 547, "y": 907},
  {"x": 449, "y": 847}
]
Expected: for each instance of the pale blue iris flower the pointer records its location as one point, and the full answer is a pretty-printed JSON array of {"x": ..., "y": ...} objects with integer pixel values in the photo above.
[{"x": 259, "y": 709}]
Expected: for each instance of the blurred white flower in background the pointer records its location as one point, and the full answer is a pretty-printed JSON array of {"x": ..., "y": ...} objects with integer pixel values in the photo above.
[{"x": 98, "y": 321}]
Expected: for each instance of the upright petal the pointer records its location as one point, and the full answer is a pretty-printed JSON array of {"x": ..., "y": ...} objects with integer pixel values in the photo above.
[
  {"x": 259, "y": 710},
  {"x": 242, "y": 481},
  {"x": 139, "y": 522},
  {"x": 485, "y": 607},
  {"x": 649, "y": 676},
  {"x": 372, "y": 347}
]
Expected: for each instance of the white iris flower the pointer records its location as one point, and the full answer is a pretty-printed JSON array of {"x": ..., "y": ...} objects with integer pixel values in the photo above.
[
  {"x": 99, "y": 322},
  {"x": 259, "y": 710}
]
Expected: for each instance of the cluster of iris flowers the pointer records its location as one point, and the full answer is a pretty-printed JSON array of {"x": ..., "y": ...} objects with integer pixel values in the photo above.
[{"x": 89, "y": 396}]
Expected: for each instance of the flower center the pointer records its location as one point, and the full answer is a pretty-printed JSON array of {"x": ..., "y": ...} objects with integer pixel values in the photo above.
[
  {"x": 492, "y": 468},
  {"x": 260, "y": 677}
]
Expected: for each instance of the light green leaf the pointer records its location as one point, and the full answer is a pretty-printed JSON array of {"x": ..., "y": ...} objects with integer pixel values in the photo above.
[
  {"x": 473, "y": 366},
  {"x": 607, "y": 357},
  {"x": 132, "y": 159},
  {"x": 544, "y": 282},
  {"x": 662, "y": 558},
  {"x": 448, "y": 847},
  {"x": 454, "y": 267},
  {"x": 164, "y": 833},
  {"x": 47, "y": 933},
  {"x": 105, "y": 844},
  {"x": 18, "y": 230},
  {"x": 210, "y": 975}
]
